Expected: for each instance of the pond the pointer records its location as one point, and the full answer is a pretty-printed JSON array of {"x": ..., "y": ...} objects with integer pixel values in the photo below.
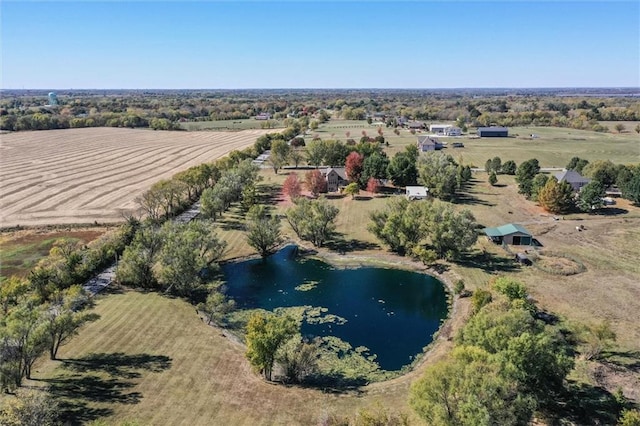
[{"x": 391, "y": 312}]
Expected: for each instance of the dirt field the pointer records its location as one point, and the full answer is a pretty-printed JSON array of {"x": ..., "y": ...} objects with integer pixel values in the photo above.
[{"x": 87, "y": 175}]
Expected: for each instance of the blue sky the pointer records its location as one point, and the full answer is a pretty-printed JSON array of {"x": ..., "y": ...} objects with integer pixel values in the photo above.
[{"x": 345, "y": 44}]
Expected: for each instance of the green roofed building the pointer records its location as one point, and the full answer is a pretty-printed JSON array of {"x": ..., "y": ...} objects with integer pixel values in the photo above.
[{"x": 510, "y": 233}]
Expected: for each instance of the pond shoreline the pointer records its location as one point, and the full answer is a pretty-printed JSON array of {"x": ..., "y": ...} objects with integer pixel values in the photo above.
[{"x": 441, "y": 338}]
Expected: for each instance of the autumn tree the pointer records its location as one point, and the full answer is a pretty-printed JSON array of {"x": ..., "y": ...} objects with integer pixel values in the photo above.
[
  {"x": 265, "y": 335},
  {"x": 315, "y": 182},
  {"x": 291, "y": 186},
  {"x": 556, "y": 197},
  {"x": 373, "y": 185},
  {"x": 354, "y": 167}
]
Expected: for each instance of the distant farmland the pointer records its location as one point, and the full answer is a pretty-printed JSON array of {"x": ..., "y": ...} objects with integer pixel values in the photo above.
[{"x": 87, "y": 175}]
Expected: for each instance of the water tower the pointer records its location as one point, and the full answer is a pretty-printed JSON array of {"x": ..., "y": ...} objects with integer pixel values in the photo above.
[{"x": 53, "y": 99}]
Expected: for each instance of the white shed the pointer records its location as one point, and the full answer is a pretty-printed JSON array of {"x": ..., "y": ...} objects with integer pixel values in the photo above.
[{"x": 417, "y": 192}]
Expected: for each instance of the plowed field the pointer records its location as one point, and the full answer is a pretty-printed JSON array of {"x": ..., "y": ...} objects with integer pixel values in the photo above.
[{"x": 87, "y": 175}]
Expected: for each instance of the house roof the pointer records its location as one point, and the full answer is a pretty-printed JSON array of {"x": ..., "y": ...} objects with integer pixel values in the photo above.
[
  {"x": 339, "y": 170},
  {"x": 444, "y": 126},
  {"x": 508, "y": 229},
  {"x": 427, "y": 140},
  {"x": 492, "y": 129},
  {"x": 571, "y": 176}
]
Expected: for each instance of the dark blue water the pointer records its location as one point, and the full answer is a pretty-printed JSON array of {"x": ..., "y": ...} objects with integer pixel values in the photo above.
[{"x": 392, "y": 312}]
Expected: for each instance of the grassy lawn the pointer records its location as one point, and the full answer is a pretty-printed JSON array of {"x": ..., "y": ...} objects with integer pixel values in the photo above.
[{"x": 151, "y": 359}]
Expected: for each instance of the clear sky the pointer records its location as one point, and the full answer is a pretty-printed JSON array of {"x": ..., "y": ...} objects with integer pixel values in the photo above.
[{"x": 307, "y": 44}]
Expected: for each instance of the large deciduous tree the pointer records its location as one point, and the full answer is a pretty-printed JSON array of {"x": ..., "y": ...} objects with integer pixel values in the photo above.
[
  {"x": 438, "y": 172},
  {"x": 556, "y": 197},
  {"x": 590, "y": 197},
  {"x": 291, "y": 186},
  {"x": 263, "y": 230},
  {"x": 315, "y": 182},
  {"x": 402, "y": 168},
  {"x": 265, "y": 335},
  {"x": 280, "y": 151},
  {"x": 186, "y": 251},
  {"x": 312, "y": 220},
  {"x": 525, "y": 174},
  {"x": 354, "y": 166}
]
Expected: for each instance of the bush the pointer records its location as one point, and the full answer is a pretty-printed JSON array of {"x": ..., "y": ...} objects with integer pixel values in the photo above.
[{"x": 479, "y": 299}]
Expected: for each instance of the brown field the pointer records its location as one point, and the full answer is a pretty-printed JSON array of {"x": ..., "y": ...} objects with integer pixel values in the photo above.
[{"x": 87, "y": 175}]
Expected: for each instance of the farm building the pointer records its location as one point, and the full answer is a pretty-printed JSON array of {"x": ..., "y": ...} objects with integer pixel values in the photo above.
[
  {"x": 336, "y": 177},
  {"x": 493, "y": 132},
  {"x": 263, "y": 116},
  {"x": 510, "y": 233},
  {"x": 574, "y": 179},
  {"x": 417, "y": 192},
  {"x": 428, "y": 143},
  {"x": 445, "y": 130}
]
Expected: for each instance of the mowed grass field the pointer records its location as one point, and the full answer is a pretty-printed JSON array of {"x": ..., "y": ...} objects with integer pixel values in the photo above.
[
  {"x": 553, "y": 146},
  {"x": 151, "y": 359},
  {"x": 86, "y": 175}
]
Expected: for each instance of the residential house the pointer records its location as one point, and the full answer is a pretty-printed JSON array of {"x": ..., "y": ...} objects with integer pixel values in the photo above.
[
  {"x": 416, "y": 125},
  {"x": 574, "y": 179},
  {"x": 263, "y": 116},
  {"x": 453, "y": 131},
  {"x": 336, "y": 178},
  {"x": 510, "y": 233},
  {"x": 428, "y": 143},
  {"x": 417, "y": 192},
  {"x": 493, "y": 132},
  {"x": 445, "y": 130}
]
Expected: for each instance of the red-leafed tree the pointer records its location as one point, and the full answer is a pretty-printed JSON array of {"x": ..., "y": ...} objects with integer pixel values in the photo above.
[
  {"x": 373, "y": 186},
  {"x": 315, "y": 182},
  {"x": 354, "y": 166},
  {"x": 291, "y": 186}
]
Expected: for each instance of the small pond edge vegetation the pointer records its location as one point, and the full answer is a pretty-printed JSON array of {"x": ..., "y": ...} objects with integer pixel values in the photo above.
[{"x": 383, "y": 260}]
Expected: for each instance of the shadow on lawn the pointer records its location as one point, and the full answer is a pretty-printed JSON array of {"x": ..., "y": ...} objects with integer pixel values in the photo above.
[
  {"x": 488, "y": 262},
  {"x": 343, "y": 246},
  {"x": 583, "y": 404},
  {"x": 100, "y": 378}
]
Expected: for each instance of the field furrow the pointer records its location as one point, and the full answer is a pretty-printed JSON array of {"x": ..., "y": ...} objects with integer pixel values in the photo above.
[{"x": 87, "y": 175}]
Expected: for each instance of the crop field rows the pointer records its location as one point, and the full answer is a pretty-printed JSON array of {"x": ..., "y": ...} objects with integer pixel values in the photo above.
[{"x": 86, "y": 175}]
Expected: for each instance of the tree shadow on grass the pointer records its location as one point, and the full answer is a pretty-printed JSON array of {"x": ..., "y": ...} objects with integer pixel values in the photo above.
[
  {"x": 343, "y": 246},
  {"x": 610, "y": 211},
  {"x": 622, "y": 359},
  {"x": 488, "y": 262},
  {"x": 582, "y": 404},
  {"x": 270, "y": 194},
  {"x": 100, "y": 378},
  {"x": 469, "y": 199}
]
